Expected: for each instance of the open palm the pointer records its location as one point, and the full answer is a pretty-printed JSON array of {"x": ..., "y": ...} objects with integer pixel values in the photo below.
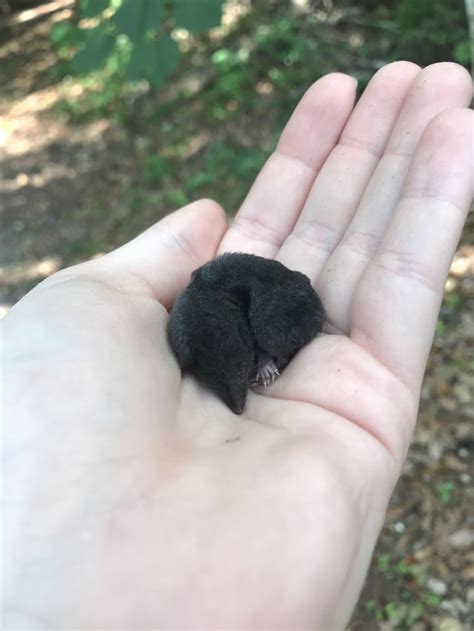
[{"x": 136, "y": 499}]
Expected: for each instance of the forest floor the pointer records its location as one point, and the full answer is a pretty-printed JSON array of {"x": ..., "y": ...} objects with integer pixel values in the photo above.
[{"x": 71, "y": 190}]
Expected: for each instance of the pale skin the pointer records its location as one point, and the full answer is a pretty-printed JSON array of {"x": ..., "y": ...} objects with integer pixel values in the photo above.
[{"x": 133, "y": 498}]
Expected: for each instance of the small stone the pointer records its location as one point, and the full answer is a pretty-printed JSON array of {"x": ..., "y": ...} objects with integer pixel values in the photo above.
[
  {"x": 450, "y": 285},
  {"x": 441, "y": 387},
  {"x": 461, "y": 539},
  {"x": 435, "y": 450},
  {"x": 465, "y": 478},
  {"x": 463, "y": 430},
  {"x": 468, "y": 572},
  {"x": 461, "y": 265},
  {"x": 399, "y": 527},
  {"x": 470, "y": 595},
  {"x": 437, "y": 586},
  {"x": 448, "y": 404},
  {"x": 468, "y": 411},
  {"x": 466, "y": 378},
  {"x": 455, "y": 606},
  {"x": 22, "y": 179},
  {"x": 454, "y": 463},
  {"x": 449, "y": 624},
  {"x": 462, "y": 393},
  {"x": 423, "y": 554},
  {"x": 426, "y": 392}
]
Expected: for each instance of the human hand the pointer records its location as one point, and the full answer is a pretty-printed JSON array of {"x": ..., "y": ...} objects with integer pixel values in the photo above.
[{"x": 135, "y": 499}]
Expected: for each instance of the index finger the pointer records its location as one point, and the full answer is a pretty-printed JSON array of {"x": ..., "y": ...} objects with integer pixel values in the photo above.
[{"x": 275, "y": 200}]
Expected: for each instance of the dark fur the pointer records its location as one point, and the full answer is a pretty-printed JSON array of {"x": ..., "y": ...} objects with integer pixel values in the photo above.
[{"x": 237, "y": 308}]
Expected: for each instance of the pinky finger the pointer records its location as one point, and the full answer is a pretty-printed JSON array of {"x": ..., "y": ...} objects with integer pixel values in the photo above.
[{"x": 396, "y": 303}]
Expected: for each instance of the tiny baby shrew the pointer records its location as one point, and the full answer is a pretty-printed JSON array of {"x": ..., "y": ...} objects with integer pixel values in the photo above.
[{"x": 240, "y": 321}]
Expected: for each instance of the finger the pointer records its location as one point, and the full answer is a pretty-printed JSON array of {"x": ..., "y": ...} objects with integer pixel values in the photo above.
[
  {"x": 159, "y": 262},
  {"x": 278, "y": 194},
  {"x": 397, "y": 301},
  {"x": 341, "y": 182},
  {"x": 438, "y": 87}
]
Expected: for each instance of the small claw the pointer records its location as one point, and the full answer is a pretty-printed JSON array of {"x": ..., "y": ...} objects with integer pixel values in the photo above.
[{"x": 267, "y": 373}]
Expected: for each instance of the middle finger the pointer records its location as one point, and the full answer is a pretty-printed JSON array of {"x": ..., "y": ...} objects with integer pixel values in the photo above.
[{"x": 341, "y": 182}]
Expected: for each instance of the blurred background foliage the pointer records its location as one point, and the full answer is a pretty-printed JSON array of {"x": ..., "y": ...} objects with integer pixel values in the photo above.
[
  {"x": 129, "y": 45},
  {"x": 133, "y": 39},
  {"x": 174, "y": 67},
  {"x": 200, "y": 89}
]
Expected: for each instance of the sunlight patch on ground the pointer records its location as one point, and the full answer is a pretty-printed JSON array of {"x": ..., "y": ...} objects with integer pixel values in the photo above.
[
  {"x": 463, "y": 262},
  {"x": 4, "y": 309},
  {"x": 35, "y": 102},
  {"x": 43, "y": 9},
  {"x": 29, "y": 270},
  {"x": 50, "y": 173},
  {"x": 17, "y": 44},
  {"x": 23, "y": 130}
]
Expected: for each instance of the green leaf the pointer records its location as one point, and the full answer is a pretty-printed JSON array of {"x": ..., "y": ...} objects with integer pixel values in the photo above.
[
  {"x": 163, "y": 59},
  {"x": 433, "y": 600},
  {"x": 91, "y": 8},
  {"x": 176, "y": 198},
  {"x": 383, "y": 562},
  {"x": 444, "y": 491},
  {"x": 153, "y": 60},
  {"x": 440, "y": 328},
  {"x": 155, "y": 169},
  {"x": 198, "y": 15},
  {"x": 136, "y": 17},
  {"x": 463, "y": 52},
  {"x": 98, "y": 44},
  {"x": 198, "y": 180},
  {"x": 222, "y": 57},
  {"x": 63, "y": 33},
  {"x": 137, "y": 62},
  {"x": 394, "y": 612}
]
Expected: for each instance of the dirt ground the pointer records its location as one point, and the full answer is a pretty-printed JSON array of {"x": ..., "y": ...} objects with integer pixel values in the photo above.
[{"x": 57, "y": 178}]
